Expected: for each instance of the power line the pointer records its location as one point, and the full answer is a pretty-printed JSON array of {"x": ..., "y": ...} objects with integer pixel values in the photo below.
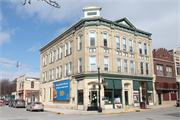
[{"x": 21, "y": 65}]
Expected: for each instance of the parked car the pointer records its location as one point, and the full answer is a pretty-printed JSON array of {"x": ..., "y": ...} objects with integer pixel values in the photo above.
[
  {"x": 19, "y": 103},
  {"x": 11, "y": 102},
  {"x": 178, "y": 102},
  {"x": 2, "y": 103},
  {"x": 6, "y": 102},
  {"x": 35, "y": 106}
]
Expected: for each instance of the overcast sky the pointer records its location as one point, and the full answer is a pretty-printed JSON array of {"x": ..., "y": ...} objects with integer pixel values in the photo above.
[{"x": 25, "y": 29}]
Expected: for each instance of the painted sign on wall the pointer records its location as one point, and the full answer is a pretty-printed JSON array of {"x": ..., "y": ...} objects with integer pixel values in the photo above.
[{"x": 61, "y": 90}]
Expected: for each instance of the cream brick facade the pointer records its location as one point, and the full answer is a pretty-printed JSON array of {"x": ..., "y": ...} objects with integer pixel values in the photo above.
[{"x": 87, "y": 78}]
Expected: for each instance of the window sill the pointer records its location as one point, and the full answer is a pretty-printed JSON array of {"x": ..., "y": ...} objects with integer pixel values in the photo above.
[
  {"x": 51, "y": 80},
  {"x": 92, "y": 47},
  {"x": 50, "y": 100},
  {"x": 44, "y": 65},
  {"x": 44, "y": 82},
  {"x": 80, "y": 104}
]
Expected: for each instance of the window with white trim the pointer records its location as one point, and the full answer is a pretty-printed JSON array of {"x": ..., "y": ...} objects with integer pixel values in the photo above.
[
  {"x": 132, "y": 67},
  {"x": 46, "y": 60},
  {"x": 126, "y": 66},
  {"x": 53, "y": 74},
  {"x": 66, "y": 51},
  {"x": 43, "y": 60},
  {"x": 124, "y": 44},
  {"x": 92, "y": 63},
  {"x": 50, "y": 57},
  {"x": 57, "y": 55},
  {"x": 70, "y": 68},
  {"x": 79, "y": 65},
  {"x": 118, "y": 43},
  {"x": 50, "y": 74},
  {"x": 46, "y": 76},
  {"x": 140, "y": 48},
  {"x": 147, "y": 68},
  {"x": 60, "y": 52},
  {"x": 119, "y": 65},
  {"x": 43, "y": 77},
  {"x": 142, "y": 68},
  {"x": 92, "y": 38},
  {"x": 159, "y": 69},
  {"x": 57, "y": 72},
  {"x": 53, "y": 58},
  {"x": 178, "y": 68},
  {"x": 60, "y": 71},
  {"x": 130, "y": 45},
  {"x": 80, "y": 42},
  {"x": 66, "y": 69},
  {"x": 145, "y": 49},
  {"x": 106, "y": 63},
  {"x": 70, "y": 47},
  {"x": 169, "y": 71},
  {"x": 105, "y": 39}
]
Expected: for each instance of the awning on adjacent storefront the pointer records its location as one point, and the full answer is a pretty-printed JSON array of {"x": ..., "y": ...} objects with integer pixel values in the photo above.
[
  {"x": 117, "y": 84},
  {"x": 110, "y": 83},
  {"x": 149, "y": 85},
  {"x": 135, "y": 85},
  {"x": 12, "y": 96}
]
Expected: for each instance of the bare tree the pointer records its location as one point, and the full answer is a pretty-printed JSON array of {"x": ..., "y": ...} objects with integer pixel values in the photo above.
[{"x": 50, "y": 2}]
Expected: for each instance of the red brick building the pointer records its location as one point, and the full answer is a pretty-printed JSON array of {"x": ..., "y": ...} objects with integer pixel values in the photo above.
[{"x": 165, "y": 80}]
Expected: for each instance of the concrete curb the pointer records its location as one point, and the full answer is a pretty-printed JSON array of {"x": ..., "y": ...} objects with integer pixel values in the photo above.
[{"x": 111, "y": 112}]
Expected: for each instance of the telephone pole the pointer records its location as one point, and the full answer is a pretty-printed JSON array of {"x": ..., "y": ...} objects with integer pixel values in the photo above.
[{"x": 18, "y": 65}]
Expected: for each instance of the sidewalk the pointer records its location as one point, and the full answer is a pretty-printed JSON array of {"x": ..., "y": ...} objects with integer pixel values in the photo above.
[{"x": 107, "y": 111}]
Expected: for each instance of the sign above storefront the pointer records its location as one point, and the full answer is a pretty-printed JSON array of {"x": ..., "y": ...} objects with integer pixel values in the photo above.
[{"x": 61, "y": 90}]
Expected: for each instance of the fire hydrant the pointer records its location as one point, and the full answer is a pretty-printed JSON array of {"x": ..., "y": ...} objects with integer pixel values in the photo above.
[{"x": 127, "y": 107}]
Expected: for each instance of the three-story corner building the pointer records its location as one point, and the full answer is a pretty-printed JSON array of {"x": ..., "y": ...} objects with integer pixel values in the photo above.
[
  {"x": 165, "y": 80},
  {"x": 68, "y": 69}
]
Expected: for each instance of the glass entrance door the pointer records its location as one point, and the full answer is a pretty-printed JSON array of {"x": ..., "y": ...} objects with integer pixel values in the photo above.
[
  {"x": 126, "y": 98},
  {"x": 93, "y": 98},
  {"x": 159, "y": 98}
]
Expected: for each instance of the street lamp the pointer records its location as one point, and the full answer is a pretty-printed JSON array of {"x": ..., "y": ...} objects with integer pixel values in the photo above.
[{"x": 99, "y": 108}]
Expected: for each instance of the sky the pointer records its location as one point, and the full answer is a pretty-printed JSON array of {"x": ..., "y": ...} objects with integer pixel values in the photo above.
[{"x": 24, "y": 29}]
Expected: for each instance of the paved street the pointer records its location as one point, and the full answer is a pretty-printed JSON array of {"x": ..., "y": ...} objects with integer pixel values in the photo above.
[{"x": 7, "y": 113}]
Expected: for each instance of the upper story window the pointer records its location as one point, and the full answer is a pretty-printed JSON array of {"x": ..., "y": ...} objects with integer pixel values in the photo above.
[
  {"x": 53, "y": 74},
  {"x": 32, "y": 84},
  {"x": 57, "y": 72},
  {"x": 70, "y": 68},
  {"x": 124, "y": 44},
  {"x": 70, "y": 47},
  {"x": 169, "y": 71},
  {"x": 57, "y": 55},
  {"x": 126, "y": 66},
  {"x": 50, "y": 57},
  {"x": 43, "y": 60},
  {"x": 53, "y": 58},
  {"x": 92, "y": 63},
  {"x": 119, "y": 65},
  {"x": 118, "y": 43},
  {"x": 43, "y": 77},
  {"x": 46, "y": 76},
  {"x": 145, "y": 49},
  {"x": 132, "y": 67},
  {"x": 46, "y": 60},
  {"x": 50, "y": 74},
  {"x": 106, "y": 63},
  {"x": 66, "y": 52},
  {"x": 60, "y": 71},
  {"x": 130, "y": 45},
  {"x": 140, "y": 47},
  {"x": 147, "y": 68},
  {"x": 159, "y": 69},
  {"x": 66, "y": 69},
  {"x": 178, "y": 68},
  {"x": 142, "y": 68},
  {"x": 105, "y": 38},
  {"x": 80, "y": 65},
  {"x": 60, "y": 52},
  {"x": 79, "y": 42},
  {"x": 92, "y": 38}
]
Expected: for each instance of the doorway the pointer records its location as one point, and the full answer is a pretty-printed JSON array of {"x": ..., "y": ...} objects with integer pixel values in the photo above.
[
  {"x": 93, "y": 98},
  {"x": 126, "y": 98},
  {"x": 159, "y": 98}
]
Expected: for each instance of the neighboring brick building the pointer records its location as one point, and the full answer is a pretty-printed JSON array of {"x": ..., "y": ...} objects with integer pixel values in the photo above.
[
  {"x": 165, "y": 80},
  {"x": 123, "y": 52}
]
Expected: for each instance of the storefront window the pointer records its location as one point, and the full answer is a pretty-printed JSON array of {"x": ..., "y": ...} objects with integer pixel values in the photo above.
[
  {"x": 108, "y": 97},
  {"x": 80, "y": 97},
  {"x": 117, "y": 96},
  {"x": 136, "y": 97},
  {"x": 150, "y": 97}
]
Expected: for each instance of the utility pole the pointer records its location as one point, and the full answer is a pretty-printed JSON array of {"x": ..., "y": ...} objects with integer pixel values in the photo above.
[{"x": 18, "y": 65}]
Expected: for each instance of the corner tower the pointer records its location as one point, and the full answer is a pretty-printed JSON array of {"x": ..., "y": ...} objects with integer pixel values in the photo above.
[{"x": 91, "y": 10}]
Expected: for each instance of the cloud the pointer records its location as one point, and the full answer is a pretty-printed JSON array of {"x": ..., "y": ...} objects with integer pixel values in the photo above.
[
  {"x": 7, "y": 64},
  {"x": 5, "y": 37},
  {"x": 8, "y": 75},
  {"x": 35, "y": 47}
]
